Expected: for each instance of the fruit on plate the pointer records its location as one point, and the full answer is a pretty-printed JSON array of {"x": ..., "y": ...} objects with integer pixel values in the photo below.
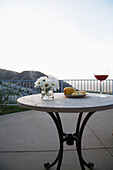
[
  {"x": 75, "y": 93},
  {"x": 68, "y": 90},
  {"x": 79, "y": 93}
]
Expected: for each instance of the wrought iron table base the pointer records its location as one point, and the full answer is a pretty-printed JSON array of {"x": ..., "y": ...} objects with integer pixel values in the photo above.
[{"x": 70, "y": 139}]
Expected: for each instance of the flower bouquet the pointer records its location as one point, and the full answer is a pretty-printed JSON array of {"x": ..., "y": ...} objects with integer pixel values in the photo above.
[{"x": 48, "y": 84}]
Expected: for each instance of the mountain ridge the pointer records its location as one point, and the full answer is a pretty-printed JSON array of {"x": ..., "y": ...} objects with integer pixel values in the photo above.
[{"x": 24, "y": 75}]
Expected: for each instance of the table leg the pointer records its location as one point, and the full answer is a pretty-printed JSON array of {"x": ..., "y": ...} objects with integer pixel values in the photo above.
[
  {"x": 69, "y": 139},
  {"x": 57, "y": 121},
  {"x": 79, "y": 132}
]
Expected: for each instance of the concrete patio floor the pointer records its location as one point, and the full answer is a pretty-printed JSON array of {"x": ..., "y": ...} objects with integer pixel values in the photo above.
[{"x": 28, "y": 139}]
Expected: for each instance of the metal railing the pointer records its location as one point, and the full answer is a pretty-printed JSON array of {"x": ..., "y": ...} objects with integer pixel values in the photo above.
[
  {"x": 11, "y": 90},
  {"x": 92, "y": 85}
]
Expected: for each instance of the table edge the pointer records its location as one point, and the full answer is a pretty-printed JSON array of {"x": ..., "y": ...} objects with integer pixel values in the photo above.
[{"x": 66, "y": 110}]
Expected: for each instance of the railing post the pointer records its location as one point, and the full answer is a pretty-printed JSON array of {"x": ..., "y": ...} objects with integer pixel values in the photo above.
[{"x": 61, "y": 85}]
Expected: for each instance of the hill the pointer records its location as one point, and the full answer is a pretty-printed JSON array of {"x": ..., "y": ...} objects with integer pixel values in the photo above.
[{"x": 25, "y": 75}]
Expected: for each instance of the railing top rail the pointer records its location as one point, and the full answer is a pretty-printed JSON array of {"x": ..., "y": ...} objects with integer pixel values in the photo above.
[
  {"x": 60, "y": 79},
  {"x": 17, "y": 80},
  {"x": 84, "y": 79}
]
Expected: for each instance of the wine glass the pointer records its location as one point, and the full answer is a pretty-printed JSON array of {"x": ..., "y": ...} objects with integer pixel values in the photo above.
[{"x": 101, "y": 73}]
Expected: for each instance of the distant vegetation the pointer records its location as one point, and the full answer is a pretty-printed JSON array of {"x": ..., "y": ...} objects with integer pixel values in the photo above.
[
  {"x": 9, "y": 91},
  {"x": 11, "y": 109}
]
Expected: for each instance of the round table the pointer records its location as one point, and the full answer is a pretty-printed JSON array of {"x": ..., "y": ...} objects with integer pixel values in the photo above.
[{"x": 61, "y": 104}]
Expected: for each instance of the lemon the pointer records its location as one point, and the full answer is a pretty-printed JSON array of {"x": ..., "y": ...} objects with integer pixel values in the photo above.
[
  {"x": 74, "y": 93},
  {"x": 79, "y": 93},
  {"x": 68, "y": 90}
]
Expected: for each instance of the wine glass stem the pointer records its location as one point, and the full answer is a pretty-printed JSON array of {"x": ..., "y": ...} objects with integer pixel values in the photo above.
[{"x": 100, "y": 87}]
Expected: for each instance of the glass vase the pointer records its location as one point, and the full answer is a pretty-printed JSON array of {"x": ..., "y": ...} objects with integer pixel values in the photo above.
[{"x": 47, "y": 94}]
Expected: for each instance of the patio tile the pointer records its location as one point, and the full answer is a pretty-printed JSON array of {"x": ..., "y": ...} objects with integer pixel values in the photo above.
[
  {"x": 101, "y": 124},
  {"x": 34, "y": 160},
  {"x": 27, "y": 131},
  {"x": 28, "y": 139},
  {"x": 32, "y": 130},
  {"x": 110, "y": 151},
  {"x": 101, "y": 158}
]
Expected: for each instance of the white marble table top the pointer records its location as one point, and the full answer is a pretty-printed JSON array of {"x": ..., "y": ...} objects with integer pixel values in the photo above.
[{"x": 60, "y": 103}]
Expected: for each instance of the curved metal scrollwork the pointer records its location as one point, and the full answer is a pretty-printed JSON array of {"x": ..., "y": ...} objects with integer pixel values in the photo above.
[{"x": 70, "y": 139}]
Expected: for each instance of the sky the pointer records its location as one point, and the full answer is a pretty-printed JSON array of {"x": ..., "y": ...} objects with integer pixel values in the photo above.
[{"x": 64, "y": 38}]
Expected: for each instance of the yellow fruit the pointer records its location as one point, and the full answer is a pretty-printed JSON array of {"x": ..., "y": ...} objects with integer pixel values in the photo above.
[
  {"x": 68, "y": 90},
  {"x": 74, "y": 93},
  {"x": 79, "y": 93}
]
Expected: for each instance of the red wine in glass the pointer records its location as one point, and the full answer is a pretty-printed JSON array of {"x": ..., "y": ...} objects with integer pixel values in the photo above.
[
  {"x": 101, "y": 74},
  {"x": 101, "y": 77}
]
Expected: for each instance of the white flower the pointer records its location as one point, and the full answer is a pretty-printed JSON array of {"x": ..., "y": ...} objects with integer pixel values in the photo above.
[
  {"x": 47, "y": 82},
  {"x": 41, "y": 81},
  {"x": 54, "y": 82}
]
